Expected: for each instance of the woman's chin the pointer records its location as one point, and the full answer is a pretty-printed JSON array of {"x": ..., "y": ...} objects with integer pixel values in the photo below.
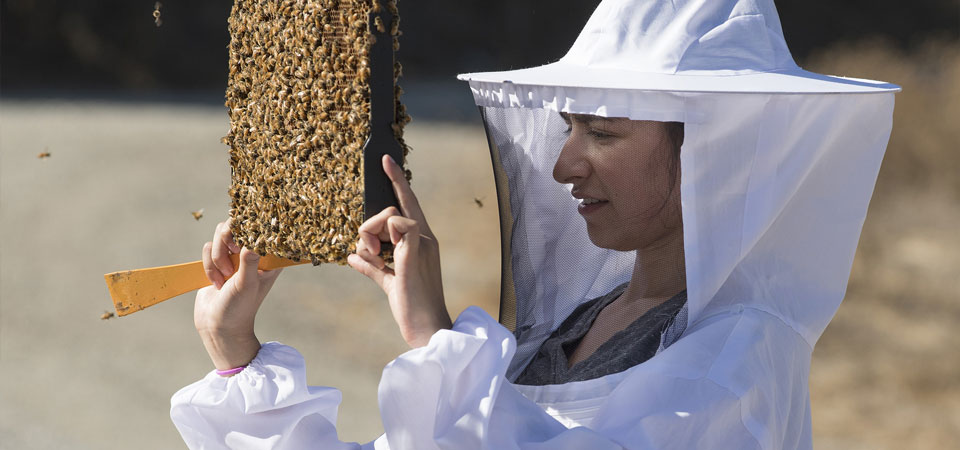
[{"x": 607, "y": 241}]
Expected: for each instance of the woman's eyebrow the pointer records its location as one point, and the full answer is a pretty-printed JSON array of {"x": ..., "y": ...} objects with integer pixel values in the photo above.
[{"x": 588, "y": 119}]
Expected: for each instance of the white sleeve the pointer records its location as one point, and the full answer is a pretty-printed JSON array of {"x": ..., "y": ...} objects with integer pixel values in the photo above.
[
  {"x": 267, "y": 406},
  {"x": 452, "y": 394}
]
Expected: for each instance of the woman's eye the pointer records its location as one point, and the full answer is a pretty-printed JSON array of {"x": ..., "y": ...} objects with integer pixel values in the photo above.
[{"x": 599, "y": 134}]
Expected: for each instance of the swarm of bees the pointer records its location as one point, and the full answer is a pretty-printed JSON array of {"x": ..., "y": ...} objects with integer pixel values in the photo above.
[
  {"x": 298, "y": 96},
  {"x": 156, "y": 13}
]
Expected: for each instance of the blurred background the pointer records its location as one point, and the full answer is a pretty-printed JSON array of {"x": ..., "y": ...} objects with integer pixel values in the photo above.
[{"x": 109, "y": 140}]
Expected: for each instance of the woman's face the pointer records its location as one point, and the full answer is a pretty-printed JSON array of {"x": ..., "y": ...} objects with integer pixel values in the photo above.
[{"x": 626, "y": 176}]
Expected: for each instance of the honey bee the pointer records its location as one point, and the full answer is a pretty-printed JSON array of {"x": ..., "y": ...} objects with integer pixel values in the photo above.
[
  {"x": 156, "y": 13},
  {"x": 197, "y": 214},
  {"x": 44, "y": 154},
  {"x": 106, "y": 315},
  {"x": 478, "y": 201}
]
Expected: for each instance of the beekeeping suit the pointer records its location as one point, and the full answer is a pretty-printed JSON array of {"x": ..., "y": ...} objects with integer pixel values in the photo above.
[{"x": 778, "y": 166}]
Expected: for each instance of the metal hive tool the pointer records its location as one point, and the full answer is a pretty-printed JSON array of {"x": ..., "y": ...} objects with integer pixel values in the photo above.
[{"x": 314, "y": 106}]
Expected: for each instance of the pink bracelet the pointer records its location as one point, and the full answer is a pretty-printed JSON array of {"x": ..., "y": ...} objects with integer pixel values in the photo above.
[{"x": 232, "y": 371}]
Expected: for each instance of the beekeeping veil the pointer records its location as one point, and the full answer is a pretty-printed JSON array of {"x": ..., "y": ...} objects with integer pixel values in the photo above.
[{"x": 776, "y": 169}]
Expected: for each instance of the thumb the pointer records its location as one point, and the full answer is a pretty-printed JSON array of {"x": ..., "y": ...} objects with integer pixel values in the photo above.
[
  {"x": 247, "y": 274},
  {"x": 369, "y": 270}
]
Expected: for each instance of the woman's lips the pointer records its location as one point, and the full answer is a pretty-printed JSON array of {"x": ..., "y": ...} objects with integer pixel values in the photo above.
[{"x": 587, "y": 209}]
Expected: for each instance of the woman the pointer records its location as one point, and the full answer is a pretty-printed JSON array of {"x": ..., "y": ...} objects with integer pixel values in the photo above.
[{"x": 652, "y": 298}]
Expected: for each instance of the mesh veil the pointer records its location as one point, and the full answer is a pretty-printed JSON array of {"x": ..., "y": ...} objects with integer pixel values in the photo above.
[
  {"x": 773, "y": 192},
  {"x": 551, "y": 264}
]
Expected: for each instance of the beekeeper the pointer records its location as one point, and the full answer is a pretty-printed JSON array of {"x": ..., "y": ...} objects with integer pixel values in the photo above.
[{"x": 680, "y": 205}]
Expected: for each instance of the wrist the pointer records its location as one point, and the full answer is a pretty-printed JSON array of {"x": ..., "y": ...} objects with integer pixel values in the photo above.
[
  {"x": 230, "y": 351},
  {"x": 419, "y": 336}
]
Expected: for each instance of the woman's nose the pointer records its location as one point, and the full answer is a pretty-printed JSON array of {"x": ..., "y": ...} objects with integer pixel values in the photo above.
[{"x": 571, "y": 164}]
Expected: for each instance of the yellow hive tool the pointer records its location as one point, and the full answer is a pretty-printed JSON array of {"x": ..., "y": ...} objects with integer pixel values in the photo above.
[{"x": 133, "y": 290}]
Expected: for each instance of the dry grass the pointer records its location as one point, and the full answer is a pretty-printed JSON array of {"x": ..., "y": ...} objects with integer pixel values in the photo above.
[
  {"x": 886, "y": 373},
  {"x": 923, "y": 151}
]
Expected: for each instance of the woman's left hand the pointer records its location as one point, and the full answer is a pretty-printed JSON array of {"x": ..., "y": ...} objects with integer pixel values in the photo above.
[
  {"x": 414, "y": 287},
  {"x": 224, "y": 313}
]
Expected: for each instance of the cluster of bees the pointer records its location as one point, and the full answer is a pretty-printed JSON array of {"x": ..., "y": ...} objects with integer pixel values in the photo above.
[{"x": 299, "y": 102}]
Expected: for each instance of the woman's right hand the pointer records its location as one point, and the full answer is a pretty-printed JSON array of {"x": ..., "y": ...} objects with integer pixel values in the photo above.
[
  {"x": 414, "y": 285},
  {"x": 224, "y": 313}
]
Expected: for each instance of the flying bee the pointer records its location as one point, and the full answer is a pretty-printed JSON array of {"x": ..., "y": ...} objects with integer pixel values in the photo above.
[
  {"x": 44, "y": 154},
  {"x": 197, "y": 214},
  {"x": 156, "y": 13},
  {"x": 478, "y": 201},
  {"x": 106, "y": 315}
]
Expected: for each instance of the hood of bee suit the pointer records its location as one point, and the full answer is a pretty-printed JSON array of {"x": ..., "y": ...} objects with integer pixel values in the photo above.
[
  {"x": 673, "y": 46},
  {"x": 777, "y": 164}
]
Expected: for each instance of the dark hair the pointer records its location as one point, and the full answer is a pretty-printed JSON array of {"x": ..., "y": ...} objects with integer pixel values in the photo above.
[{"x": 675, "y": 137}]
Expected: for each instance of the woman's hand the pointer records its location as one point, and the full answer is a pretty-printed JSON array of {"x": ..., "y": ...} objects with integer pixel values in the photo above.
[
  {"x": 225, "y": 312},
  {"x": 414, "y": 288}
]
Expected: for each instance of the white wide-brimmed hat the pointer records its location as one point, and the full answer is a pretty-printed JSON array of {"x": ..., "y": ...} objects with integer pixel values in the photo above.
[{"x": 710, "y": 46}]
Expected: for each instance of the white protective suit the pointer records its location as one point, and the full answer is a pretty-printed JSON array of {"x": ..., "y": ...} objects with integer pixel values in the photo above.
[{"x": 778, "y": 166}]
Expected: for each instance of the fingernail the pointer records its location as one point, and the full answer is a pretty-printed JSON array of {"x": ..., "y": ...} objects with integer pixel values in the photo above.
[{"x": 354, "y": 259}]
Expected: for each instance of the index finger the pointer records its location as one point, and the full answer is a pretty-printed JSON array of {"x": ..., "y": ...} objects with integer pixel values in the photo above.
[
  {"x": 409, "y": 205},
  {"x": 226, "y": 234}
]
